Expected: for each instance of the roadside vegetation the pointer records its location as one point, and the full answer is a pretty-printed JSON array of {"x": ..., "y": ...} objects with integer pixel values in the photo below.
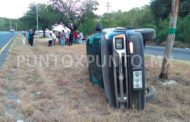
[
  {"x": 5, "y": 24},
  {"x": 154, "y": 16},
  {"x": 66, "y": 94}
]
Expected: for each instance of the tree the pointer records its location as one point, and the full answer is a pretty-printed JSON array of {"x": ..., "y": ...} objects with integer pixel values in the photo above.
[
  {"x": 47, "y": 17},
  {"x": 28, "y": 21},
  {"x": 135, "y": 18},
  {"x": 73, "y": 12},
  {"x": 88, "y": 24},
  {"x": 184, "y": 29},
  {"x": 161, "y": 8},
  {"x": 5, "y": 24}
]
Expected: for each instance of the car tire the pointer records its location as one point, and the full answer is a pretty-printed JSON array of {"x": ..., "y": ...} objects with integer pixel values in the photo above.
[{"x": 150, "y": 93}]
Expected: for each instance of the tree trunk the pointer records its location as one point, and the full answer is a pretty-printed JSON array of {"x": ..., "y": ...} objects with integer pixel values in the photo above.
[{"x": 171, "y": 38}]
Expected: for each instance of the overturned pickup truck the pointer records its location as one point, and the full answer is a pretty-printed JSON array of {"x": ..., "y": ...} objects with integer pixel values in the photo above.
[{"x": 116, "y": 63}]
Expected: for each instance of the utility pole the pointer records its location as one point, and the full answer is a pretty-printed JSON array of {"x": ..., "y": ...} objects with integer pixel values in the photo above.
[
  {"x": 37, "y": 16},
  {"x": 171, "y": 39},
  {"x": 108, "y": 6},
  {"x": 16, "y": 25},
  {"x": 10, "y": 26}
]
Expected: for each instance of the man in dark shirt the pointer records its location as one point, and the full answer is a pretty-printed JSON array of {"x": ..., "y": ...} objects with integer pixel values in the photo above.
[
  {"x": 71, "y": 38},
  {"x": 31, "y": 37}
]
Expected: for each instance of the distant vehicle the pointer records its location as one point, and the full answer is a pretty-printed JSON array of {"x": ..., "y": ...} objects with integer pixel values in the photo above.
[
  {"x": 11, "y": 30},
  {"x": 41, "y": 32}
]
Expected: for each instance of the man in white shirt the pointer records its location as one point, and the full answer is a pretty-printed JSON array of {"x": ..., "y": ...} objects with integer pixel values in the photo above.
[
  {"x": 50, "y": 39},
  {"x": 81, "y": 36},
  {"x": 54, "y": 38}
]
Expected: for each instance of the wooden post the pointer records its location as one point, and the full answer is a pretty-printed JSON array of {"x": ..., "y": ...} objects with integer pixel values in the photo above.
[
  {"x": 108, "y": 6},
  {"x": 170, "y": 38}
]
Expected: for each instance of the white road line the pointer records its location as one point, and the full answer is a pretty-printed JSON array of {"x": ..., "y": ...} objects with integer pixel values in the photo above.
[{"x": 4, "y": 47}]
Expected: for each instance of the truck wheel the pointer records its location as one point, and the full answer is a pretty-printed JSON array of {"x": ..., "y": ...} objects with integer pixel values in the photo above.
[{"x": 150, "y": 93}]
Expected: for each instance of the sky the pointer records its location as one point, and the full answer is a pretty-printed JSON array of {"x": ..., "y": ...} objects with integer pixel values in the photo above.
[{"x": 17, "y": 8}]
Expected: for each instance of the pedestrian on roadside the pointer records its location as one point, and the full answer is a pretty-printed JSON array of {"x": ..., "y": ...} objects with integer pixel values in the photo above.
[
  {"x": 50, "y": 41},
  {"x": 81, "y": 36},
  {"x": 24, "y": 33},
  {"x": 75, "y": 35},
  {"x": 28, "y": 37},
  {"x": 31, "y": 37},
  {"x": 63, "y": 38},
  {"x": 67, "y": 37},
  {"x": 70, "y": 38},
  {"x": 54, "y": 38},
  {"x": 24, "y": 37},
  {"x": 59, "y": 37}
]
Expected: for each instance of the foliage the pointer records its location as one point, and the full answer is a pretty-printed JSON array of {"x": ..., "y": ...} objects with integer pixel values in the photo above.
[
  {"x": 162, "y": 8},
  {"x": 88, "y": 24},
  {"x": 145, "y": 17},
  {"x": 137, "y": 17},
  {"x": 73, "y": 12},
  {"x": 47, "y": 17},
  {"x": 162, "y": 31},
  {"x": 183, "y": 29},
  {"x": 5, "y": 24}
]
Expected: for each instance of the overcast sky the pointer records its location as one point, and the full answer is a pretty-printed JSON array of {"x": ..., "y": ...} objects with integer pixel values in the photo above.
[{"x": 16, "y": 8}]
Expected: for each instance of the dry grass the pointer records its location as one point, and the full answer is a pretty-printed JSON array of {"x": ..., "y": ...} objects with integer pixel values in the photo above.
[{"x": 65, "y": 93}]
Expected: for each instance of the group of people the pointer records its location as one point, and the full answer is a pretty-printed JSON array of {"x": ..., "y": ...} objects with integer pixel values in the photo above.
[
  {"x": 28, "y": 36},
  {"x": 65, "y": 38}
]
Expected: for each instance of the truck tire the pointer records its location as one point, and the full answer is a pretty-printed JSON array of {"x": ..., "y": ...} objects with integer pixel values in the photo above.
[{"x": 150, "y": 93}]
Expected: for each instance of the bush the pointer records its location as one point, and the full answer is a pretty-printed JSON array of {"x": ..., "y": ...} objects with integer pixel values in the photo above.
[
  {"x": 183, "y": 29},
  {"x": 162, "y": 31}
]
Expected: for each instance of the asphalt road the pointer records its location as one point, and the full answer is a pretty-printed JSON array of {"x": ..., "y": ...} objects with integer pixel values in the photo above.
[
  {"x": 178, "y": 53},
  {"x": 4, "y": 39}
]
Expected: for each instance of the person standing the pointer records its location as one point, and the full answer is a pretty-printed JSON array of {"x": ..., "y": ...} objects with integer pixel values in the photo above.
[
  {"x": 81, "y": 36},
  {"x": 54, "y": 38},
  {"x": 50, "y": 40},
  {"x": 31, "y": 37},
  {"x": 24, "y": 33},
  {"x": 28, "y": 37},
  {"x": 63, "y": 38},
  {"x": 24, "y": 39},
  {"x": 67, "y": 37},
  {"x": 70, "y": 38},
  {"x": 75, "y": 35},
  {"x": 59, "y": 37}
]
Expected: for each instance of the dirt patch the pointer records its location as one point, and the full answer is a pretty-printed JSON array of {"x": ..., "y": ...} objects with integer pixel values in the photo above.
[{"x": 51, "y": 92}]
